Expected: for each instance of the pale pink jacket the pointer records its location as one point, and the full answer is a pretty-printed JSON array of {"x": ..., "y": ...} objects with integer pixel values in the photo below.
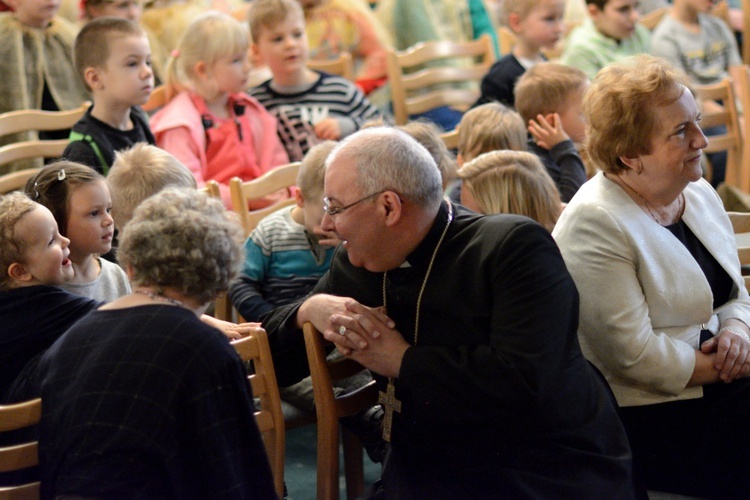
[{"x": 178, "y": 129}]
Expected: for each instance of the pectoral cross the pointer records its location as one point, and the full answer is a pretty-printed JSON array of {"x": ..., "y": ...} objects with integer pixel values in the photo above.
[{"x": 390, "y": 404}]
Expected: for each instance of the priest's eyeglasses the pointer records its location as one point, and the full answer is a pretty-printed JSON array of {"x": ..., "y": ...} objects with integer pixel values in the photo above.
[{"x": 331, "y": 211}]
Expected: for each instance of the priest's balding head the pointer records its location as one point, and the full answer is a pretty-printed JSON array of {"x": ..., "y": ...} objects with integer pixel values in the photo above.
[{"x": 382, "y": 192}]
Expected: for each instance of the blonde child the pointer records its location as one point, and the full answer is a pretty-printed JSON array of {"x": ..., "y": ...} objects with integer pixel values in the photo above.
[
  {"x": 428, "y": 135},
  {"x": 141, "y": 172},
  {"x": 113, "y": 58},
  {"x": 510, "y": 182},
  {"x": 537, "y": 25},
  {"x": 309, "y": 106},
  {"x": 287, "y": 253},
  {"x": 36, "y": 57},
  {"x": 79, "y": 199},
  {"x": 211, "y": 126},
  {"x": 34, "y": 261},
  {"x": 489, "y": 127},
  {"x": 549, "y": 97}
]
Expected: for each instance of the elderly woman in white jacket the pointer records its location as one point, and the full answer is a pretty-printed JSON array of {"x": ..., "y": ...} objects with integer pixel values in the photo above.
[{"x": 664, "y": 312}]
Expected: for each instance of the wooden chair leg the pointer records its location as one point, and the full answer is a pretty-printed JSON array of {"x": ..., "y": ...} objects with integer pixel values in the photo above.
[
  {"x": 353, "y": 464},
  {"x": 328, "y": 459}
]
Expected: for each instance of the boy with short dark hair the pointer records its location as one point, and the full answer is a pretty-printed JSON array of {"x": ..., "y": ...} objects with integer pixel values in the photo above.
[
  {"x": 549, "y": 98},
  {"x": 610, "y": 34},
  {"x": 113, "y": 58}
]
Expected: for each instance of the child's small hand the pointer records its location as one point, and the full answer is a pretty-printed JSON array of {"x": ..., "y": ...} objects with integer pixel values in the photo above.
[
  {"x": 326, "y": 238},
  {"x": 328, "y": 129},
  {"x": 547, "y": 131}
]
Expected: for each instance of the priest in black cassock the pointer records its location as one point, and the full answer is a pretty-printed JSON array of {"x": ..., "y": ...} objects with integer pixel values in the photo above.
[{"x": 472, "y": 320}]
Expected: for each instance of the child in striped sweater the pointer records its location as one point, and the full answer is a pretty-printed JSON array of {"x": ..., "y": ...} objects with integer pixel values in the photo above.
[{"x": 309, "y": 106}]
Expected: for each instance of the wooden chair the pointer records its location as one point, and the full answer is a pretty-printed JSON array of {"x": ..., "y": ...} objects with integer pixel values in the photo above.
[
  {"x": 272, "y": 181},
  {"x": 725, "y": 114},
  {"x": 35, "y": 119},
  {"x": 25, "y": 120},
  {"x": 255, "y": 348},
  {"x": 328, "y": 410},
  {"x": 741, "y": 225},
  {"x": 745, "y": 4},
  {"x": 16, "y": 181},
  {"x": 340, "y": 66},
  {"x": 653, "y": 18},
  {"x": 741, "y": 81},
  {"x": 158, "y": 99},
  {"x": 211, "y": 189},
  {"x": 450, "y": 139},
  {"x": 423, "y": 88},
  {"x": 21, "y": 456}
]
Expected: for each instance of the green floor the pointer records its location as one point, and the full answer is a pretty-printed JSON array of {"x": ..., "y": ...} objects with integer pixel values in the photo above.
[{"x": 299, "y": 472}]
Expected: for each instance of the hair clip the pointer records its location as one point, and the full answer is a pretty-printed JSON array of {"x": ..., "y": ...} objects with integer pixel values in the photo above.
[
  {"x": 175, "y": 53},
  {"x": 36, "y": 192},
  {"x": 61, "y": 175}
]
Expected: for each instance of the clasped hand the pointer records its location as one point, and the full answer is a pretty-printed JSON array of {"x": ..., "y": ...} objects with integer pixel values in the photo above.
[
  {"x": 369, "y": 335},
  {"x": 732, "y": 351}
]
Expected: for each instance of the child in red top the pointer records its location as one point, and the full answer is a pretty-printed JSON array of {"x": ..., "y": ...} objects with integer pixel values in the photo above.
[{"x": 211, "y": 126}]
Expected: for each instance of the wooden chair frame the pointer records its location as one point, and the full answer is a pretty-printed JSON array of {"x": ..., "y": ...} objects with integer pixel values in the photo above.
[
  {"x": 450, "y": 139},
  {"x": 21, "y": 456},
  {"x": 34, "y": 119},
  {"x": 741, "y": 81},
  {"x": 741, "y": 226},
  {"x": 158, "y": 99},
  {"x": 270, "y": 419},
  {"x": 726, "y": 115},
  {"x": 340, "y": 66},
  {"x": 328, "y": 410},
  {"x": 16, "y": 181},
  {"x": 653, "y": 18},
  {"x": 272, "y": 181},
  {"x": 24, "y": 120},
  {"x": 402, "y": 84}
]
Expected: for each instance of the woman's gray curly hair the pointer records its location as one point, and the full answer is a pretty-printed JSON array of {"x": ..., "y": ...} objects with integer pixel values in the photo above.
[{"x": 184, "y": 239}]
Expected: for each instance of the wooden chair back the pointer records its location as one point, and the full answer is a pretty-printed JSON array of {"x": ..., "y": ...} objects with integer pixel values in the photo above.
[
  {"x": 450, "y": 139},
  {"x": 20, "y": 456},
  {"x": 328, "y": 410},
  {"x": 741, "y": 81},
  {"x": 429, "y": 86},
  {"x": 158, "y": 99},
  {"x": 653, "y": 18},
  {"x": 741, "y": 225},
  {"x": 270, "y": 419},
  {"x": 340, "y": 66},
  {"x": 35, "y": 119},
  {"x": 272, "y": 181},
  {"x": 16, "y": 181},
  {"x": 211, "y": 188},
  {"x": 725, "y": 114},
  {"x": 25, "y": 120}
]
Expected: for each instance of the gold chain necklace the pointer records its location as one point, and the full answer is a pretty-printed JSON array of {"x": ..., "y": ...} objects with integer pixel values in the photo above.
[
  {"x": 680, "y": 208},
  {"x": 388, "y": 398}
]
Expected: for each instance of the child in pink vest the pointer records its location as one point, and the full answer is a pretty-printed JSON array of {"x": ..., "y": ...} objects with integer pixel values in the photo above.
[{"x": 211, "y": 126}]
